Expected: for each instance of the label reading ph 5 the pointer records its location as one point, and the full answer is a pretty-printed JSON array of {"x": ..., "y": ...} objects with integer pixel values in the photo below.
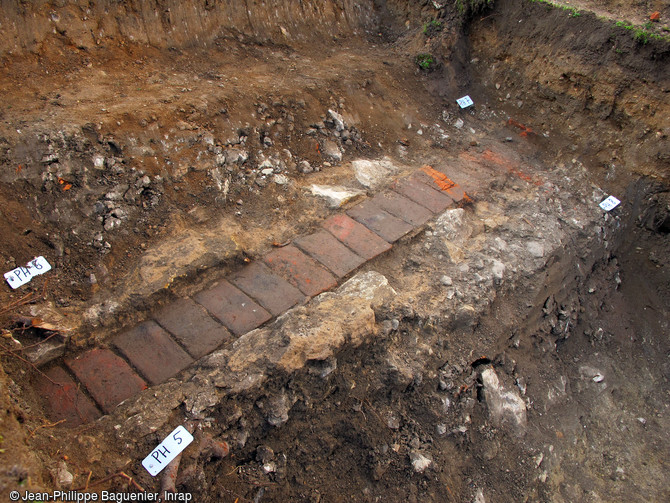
[{"x": 167, "y": 450}]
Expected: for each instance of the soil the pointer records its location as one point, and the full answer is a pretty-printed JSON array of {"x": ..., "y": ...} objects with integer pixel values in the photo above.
[
  {"x": 589, "y": 441},
  {"x": 636, "y": 13},
  {"x": 115, "y": 151}
]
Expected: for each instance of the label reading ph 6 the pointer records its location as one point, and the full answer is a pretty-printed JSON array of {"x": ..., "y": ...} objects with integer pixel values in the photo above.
[
  {"x": 167, "y": 450},
  {"x": 22, "y": 275}
]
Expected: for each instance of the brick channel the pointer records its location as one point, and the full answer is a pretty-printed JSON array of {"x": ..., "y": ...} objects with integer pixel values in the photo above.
[{"x": 96, "y": 381}]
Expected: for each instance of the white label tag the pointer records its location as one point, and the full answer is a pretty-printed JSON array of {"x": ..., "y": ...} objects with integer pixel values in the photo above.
[
  {"x": 22, "y": 275},
  {"x": 167, "y": 450},
  {"x": 610, "y": 203},
  {"x": 465, "y": 101}
]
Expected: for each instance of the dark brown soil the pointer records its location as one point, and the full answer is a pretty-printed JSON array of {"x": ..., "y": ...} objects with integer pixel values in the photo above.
[{"x": 600, "y": 441}]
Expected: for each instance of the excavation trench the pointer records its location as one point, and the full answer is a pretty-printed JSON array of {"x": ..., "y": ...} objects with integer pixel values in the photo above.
[{"x": 511, "y": 347}]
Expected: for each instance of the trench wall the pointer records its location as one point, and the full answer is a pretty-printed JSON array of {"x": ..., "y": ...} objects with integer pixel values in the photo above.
[
  {"x": 584, "y": 76},
  {"x": 25, "y": 26}
]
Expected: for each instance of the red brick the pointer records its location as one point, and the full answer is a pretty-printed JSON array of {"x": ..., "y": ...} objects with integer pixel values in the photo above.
[
  {"x": 402, "y": 207},
  {"x": 64, "y": 398},
  {"x": 330, "y": 252},
  {"x": 233, "y": 308},
  {"x": 420, "y": 193},
  {"x": 108, "y": 378},
  {"x": 356, "y": 236},
  {"x": 439, "y": 180},
  {"x": 423, "y": 177},
  {"x": 271, "y": 292},
  {"x": 151, "y": 350},
  {"x": 300, "y": 270},
  {"x": 193, "y": 327},
  {"x": 379, "y": 221},
  {"x": 457, "y": 194}
]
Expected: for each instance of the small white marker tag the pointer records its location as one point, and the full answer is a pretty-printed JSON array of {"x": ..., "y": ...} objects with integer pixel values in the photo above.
[
  {"x": 167, "y": 450},
  {"x": 610, "y": 203},
  {"x": 22, "y": 275},
  {"x": 465, "y": 101}
]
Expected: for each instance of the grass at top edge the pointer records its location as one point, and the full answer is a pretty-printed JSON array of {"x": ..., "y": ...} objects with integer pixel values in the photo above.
[{"x": 639, "y": 33}]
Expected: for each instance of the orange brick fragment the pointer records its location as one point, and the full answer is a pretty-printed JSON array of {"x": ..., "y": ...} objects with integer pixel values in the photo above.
[
  {"x": 441, "y": 180},
  {"x": 525, "y": 130},
  {"x": 447, "y": 185}
]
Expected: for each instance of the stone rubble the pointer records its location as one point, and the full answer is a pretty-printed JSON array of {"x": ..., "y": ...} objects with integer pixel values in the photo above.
[{"x": 505, "y": 405}]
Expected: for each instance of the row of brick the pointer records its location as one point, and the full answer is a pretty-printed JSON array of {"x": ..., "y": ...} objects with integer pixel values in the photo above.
[{"x": 191, "y": 328}]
